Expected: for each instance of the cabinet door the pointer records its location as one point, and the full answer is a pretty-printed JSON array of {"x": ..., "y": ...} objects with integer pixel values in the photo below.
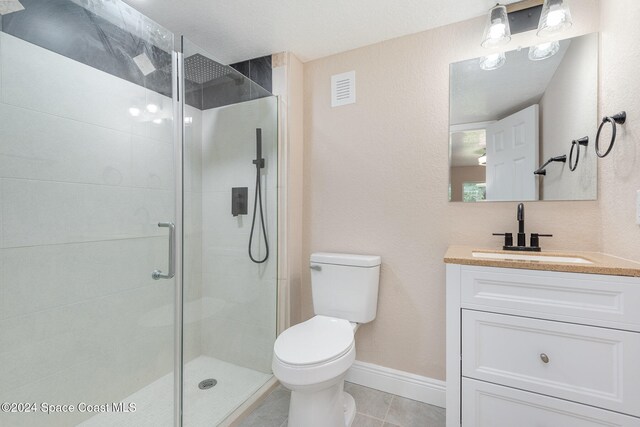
[
  {"x": 490, "y": 405},
  {"x": 588, "y": 299},
  {"x": 595, "y": 366}
]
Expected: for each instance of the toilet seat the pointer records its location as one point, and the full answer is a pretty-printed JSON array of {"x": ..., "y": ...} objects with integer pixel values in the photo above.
[
  {"x": 313, "y": 352},
  {"x": 320, "y": 339}
]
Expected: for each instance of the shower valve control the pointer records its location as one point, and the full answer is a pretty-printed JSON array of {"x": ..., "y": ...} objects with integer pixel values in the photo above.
[{"x": 239, "y": 201}]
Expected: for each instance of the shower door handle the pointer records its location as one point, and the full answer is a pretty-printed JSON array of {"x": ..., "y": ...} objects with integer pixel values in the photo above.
[{"x": 157, "y": 274}]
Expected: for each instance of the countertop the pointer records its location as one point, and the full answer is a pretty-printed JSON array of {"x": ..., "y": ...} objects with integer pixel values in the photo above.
[{"x": 601, "y": 263}]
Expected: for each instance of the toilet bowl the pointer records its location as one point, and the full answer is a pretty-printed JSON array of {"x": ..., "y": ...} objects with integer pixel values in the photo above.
[{"x": 312, "y": 358}]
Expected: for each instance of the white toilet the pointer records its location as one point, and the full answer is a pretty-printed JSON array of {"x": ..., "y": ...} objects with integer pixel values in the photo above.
[{"x": 312, "y": 358}]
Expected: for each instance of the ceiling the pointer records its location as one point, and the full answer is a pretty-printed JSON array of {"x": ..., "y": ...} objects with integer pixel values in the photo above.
[
  {"x": 237, "y": 30},
  {"x": 467, "y": 146},
  {"x": 478, "y": 95}
]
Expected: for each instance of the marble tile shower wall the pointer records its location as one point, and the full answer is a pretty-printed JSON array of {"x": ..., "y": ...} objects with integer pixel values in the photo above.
[
  {"x": 239, "y": 297},
  {"x": 104, "y": 35},
  {"x": 257, "y": 69},
  {"x": 82, "y": 186}
]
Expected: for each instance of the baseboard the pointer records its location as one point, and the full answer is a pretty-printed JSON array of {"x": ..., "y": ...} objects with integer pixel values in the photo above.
[{"x": 404, "y": 384}]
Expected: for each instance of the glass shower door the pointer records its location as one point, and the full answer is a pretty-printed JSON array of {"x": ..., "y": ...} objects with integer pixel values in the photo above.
[
  {"x": 230, "y": 301},
  {"x": 86, "y": 175}
]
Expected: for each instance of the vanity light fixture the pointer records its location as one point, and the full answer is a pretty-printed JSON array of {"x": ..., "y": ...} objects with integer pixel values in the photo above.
[
  {"x": 543, "y": 50},
  {"x": 497, "y": 31},
  {"x": 555, "y": 17},
  {"x": 493, "y": 61},
  {"x": 482, "y": 160}
]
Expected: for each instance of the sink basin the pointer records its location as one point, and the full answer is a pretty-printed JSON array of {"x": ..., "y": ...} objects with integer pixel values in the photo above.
[{"x": 531, "y": 257}]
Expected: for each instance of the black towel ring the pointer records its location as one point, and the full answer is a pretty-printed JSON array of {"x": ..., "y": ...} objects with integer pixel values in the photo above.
[
  {"x": 576, "y": 143},
  {"x": 619, "y": 119}
]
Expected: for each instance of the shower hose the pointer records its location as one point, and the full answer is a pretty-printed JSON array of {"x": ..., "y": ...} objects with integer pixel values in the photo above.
[{"x": 257, "y": 204}]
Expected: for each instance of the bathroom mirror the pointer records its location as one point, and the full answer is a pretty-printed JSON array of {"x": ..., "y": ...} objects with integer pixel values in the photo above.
[{"x": 510, "y": 113}]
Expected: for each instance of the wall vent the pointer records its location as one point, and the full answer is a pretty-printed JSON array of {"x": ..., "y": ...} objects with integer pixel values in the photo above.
[{"x": 343, "y": 89}]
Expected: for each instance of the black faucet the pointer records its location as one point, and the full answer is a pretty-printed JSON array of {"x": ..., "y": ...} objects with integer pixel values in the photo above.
[{"x": 522, "y": 236}]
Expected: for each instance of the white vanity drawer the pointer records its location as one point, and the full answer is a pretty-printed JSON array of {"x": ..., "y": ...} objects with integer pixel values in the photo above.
[
  {"x": 590, "y": 299},
  {"x": 591, "y": 365},
  {"x": 490, "y": 405}
]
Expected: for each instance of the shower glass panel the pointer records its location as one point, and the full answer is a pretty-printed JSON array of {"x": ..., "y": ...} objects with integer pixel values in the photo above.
[
  {"x": 86, "y": 175},
  {"x": 230, "y": 301}
]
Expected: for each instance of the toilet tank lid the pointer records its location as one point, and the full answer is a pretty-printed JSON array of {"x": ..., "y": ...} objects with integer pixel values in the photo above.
[{"x": 346, "y": 259}]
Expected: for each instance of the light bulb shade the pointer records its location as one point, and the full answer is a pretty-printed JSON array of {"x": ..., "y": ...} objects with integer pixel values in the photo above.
[
  {"x": 543, "y": 51},
  {"x": 493, "y": 61},
  {"x": 555, "y": 17},
  {"x": 482, "y": 160},
  {"x": 497, "y": 31}
]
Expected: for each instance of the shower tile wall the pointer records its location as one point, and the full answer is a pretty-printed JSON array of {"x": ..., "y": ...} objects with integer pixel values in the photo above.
[
  {"x": 239, "y": 297},
  {"x": 82, "y": 185},
  {"x": 192, "y": 256},
  {"x": 93, "y": 33},
  {"x": 257, "y": 69}
]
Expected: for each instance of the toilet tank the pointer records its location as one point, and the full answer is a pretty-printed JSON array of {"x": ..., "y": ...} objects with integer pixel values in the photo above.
[{"x": 345, "y": 286}]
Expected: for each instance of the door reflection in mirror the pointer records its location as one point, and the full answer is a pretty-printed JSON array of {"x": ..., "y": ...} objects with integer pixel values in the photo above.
[{"x": 504, "y": 123}]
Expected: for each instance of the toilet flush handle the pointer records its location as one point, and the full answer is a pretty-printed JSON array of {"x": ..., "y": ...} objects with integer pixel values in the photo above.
[{"x": 316, "y": 267}]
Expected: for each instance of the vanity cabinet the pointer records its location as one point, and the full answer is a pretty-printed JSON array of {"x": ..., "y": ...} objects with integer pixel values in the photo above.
[{"x": 533, "y": 348}]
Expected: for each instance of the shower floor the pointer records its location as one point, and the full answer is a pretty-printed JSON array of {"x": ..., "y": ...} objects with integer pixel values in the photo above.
[{"x": 154, "y": 403}]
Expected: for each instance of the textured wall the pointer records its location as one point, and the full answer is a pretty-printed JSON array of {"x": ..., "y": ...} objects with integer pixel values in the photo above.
[
  {"x": 376, "y": 179},
  {"x": 620, "y": 90},
  {"x": 568, "y": 111}
]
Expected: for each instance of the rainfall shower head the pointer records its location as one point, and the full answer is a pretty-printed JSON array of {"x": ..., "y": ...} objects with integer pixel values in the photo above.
[{"x": 200, "y": 69}]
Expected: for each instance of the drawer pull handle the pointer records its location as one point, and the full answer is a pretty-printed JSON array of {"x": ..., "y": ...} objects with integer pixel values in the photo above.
[{"x": 544, "y": 358}]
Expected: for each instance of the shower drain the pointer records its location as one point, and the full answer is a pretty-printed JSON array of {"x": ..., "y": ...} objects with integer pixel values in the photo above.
[{"x": 207, "y": 384}]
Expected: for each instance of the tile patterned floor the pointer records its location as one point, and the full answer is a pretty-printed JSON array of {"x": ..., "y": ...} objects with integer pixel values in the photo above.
[{"x": 374, "y": 409}]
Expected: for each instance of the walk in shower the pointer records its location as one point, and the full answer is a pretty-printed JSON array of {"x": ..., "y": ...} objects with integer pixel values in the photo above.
[{"x": 117, "y": 139}]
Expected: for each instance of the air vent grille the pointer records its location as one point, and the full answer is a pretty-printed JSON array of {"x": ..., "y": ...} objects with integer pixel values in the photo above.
[{"x": 343, "y": 89}]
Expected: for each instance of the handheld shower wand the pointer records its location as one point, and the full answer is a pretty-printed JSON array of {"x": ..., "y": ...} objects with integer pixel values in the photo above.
[
  {"x": 257, "y": 201},
  {"x": 259, "y": 161}
]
